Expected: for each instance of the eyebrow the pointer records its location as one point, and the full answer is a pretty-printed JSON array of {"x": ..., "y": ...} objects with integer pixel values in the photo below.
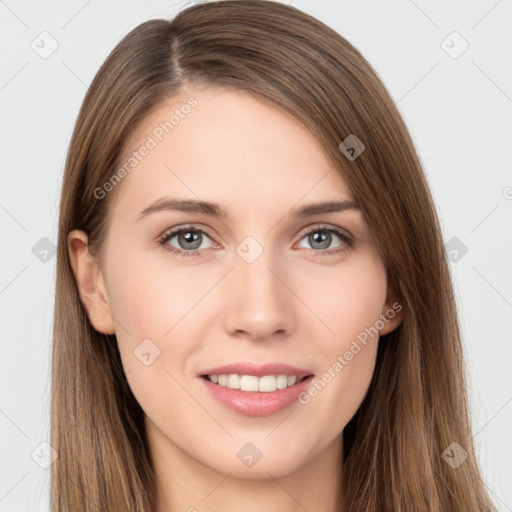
[{"x": 215, "y": 210}]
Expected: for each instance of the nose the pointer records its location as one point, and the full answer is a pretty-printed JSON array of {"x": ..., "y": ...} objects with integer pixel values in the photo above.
[{"x": 260, "y": 304}]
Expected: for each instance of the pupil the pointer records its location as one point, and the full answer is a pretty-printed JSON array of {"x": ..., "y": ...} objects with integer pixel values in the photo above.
[
  {"x": 323, "y": 239},
  {"x": 189, "y": 237}
]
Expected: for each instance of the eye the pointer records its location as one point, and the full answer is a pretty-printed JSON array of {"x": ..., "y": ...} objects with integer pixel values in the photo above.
[
  {"x": 321, "y": 237},
  {"x": 190, "y": 241}
]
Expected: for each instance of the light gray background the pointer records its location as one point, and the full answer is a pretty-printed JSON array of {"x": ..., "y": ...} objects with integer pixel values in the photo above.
[{"x": 459, "y": 113}]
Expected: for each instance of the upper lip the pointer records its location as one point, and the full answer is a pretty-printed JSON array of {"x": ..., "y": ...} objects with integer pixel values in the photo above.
[{"x": 246, "y": 368}]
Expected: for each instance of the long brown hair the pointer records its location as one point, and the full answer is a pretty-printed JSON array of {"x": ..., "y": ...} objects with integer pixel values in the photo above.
[{"x": 416, "y": 406}]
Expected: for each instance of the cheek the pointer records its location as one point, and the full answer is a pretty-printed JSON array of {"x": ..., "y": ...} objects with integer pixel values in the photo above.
[
  {"x": 349, "y": 301},
  {"x": 153, "y": 322},
  {"x": 159, "y": 311},
  {"x": 338, "y": 390},
  {"x": 148, "y": 299},
  {"x": 351, "y": 306}
]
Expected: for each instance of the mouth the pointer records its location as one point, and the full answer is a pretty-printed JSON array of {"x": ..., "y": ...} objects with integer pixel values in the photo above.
[
  {"x": 254, "y": 390},
  {"x": 263, "y": 384}
]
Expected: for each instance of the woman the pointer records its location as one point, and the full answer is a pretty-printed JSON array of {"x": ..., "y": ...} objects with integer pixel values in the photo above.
[{"x": 304, "y": 351}]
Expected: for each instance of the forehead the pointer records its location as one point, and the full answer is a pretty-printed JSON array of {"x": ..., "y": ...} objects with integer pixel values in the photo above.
[{"x": 228, "y": 146}]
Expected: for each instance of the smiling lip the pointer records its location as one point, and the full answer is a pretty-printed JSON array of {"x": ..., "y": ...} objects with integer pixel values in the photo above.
[
  {"x": 256, "y": 403},
  {"x": 257, "y": 370}
]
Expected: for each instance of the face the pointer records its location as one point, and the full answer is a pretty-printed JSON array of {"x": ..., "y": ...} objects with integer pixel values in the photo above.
[{"x": 265, "y": 289}]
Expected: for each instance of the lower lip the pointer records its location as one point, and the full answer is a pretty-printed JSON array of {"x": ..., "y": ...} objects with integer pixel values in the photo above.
[{"x": 257, "y": 403}]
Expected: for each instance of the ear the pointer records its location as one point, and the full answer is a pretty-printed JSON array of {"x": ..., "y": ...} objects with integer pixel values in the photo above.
[
  {"x": 392, "y": 314},
  {"x": 91, "y": 285}
]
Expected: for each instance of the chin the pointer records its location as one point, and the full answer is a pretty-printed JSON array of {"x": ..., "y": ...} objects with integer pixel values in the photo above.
[{"x": 275, "y": 465}]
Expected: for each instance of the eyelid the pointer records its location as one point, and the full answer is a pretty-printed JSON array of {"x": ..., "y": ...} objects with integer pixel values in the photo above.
[
  {"x": 177, "y": 229},
  {"x": 172, "y": 232},
  {"x": 346, "y": 237},
  {"x": 304, "y": 231},
  {"x": 323, "y": 226}
]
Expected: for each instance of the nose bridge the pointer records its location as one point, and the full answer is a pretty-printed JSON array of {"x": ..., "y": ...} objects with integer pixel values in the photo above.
[{"x": 259, "y": 304}]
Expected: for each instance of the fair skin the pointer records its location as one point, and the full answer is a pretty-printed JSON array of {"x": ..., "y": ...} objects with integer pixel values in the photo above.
[{"x": 293, "y": 304}]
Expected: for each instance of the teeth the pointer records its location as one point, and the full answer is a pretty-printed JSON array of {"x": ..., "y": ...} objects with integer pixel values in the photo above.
[
  {"x": 249, "y": 383},
  {"x": 281, "y": 381},
  {"x": 233, "y": 381},
  {"x": 265, "y": 384}
]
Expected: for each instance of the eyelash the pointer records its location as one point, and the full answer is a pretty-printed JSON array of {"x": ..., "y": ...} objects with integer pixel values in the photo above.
[{"x": 347, "y": 242}]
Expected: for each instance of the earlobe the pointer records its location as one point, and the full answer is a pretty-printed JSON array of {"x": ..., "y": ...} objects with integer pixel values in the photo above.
[
  {"x": 90, "y": 283},
  {"x": 392, "y": 316}
]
